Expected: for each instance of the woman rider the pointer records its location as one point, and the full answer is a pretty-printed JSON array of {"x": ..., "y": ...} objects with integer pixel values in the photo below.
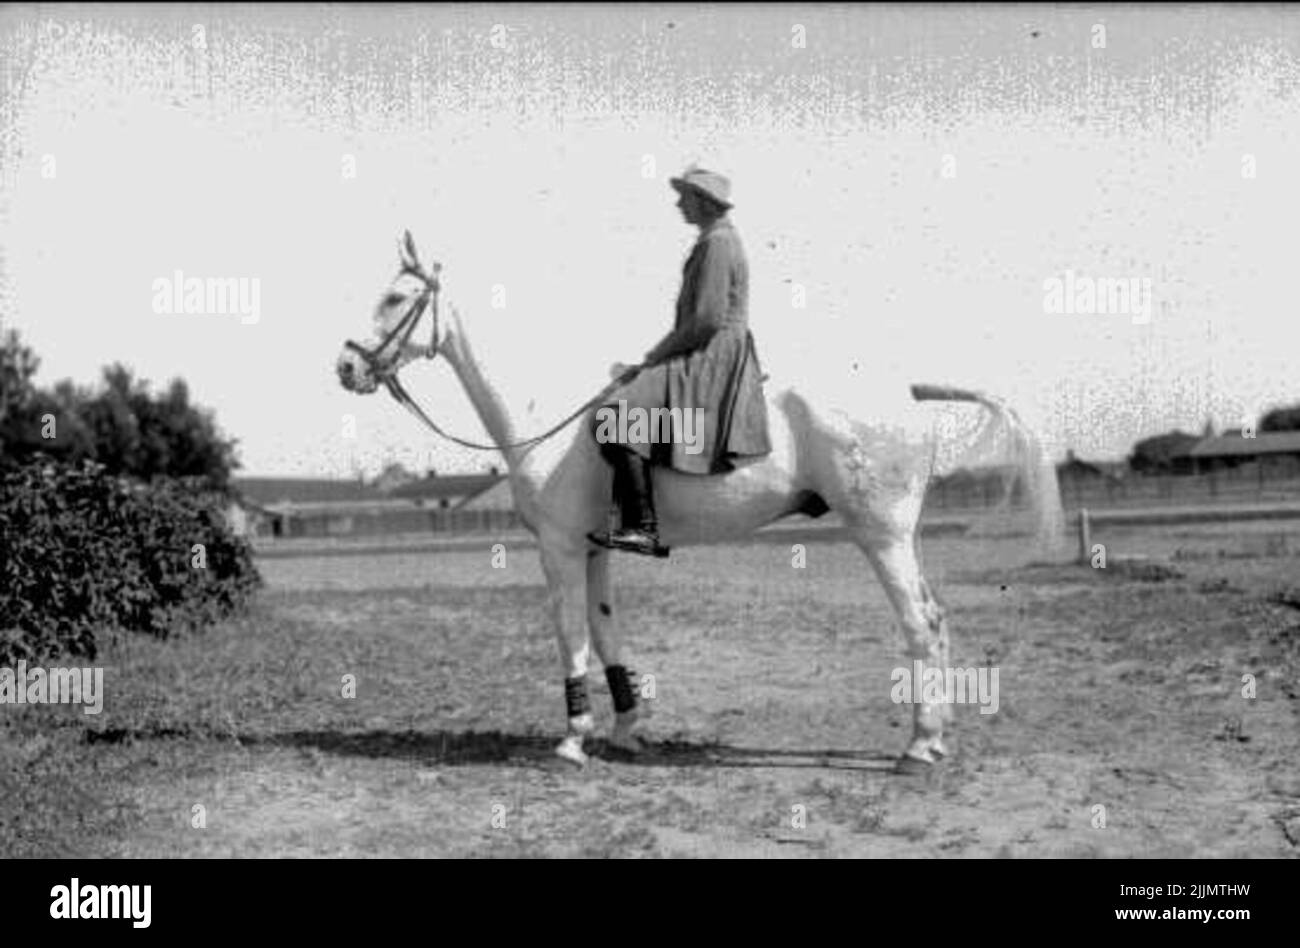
[{"x": 707, "y": 362}]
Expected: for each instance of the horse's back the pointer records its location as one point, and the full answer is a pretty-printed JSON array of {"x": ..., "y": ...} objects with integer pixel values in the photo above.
[{"x": 759, "y": 491}]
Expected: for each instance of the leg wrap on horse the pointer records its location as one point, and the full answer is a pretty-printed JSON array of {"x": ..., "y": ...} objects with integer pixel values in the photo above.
[
  {"x": 575, "y": 696},
  {"x": 620, "y": 689}
]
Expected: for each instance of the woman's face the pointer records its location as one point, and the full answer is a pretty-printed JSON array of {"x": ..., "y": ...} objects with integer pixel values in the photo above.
[{"x": 689, "y": 204}]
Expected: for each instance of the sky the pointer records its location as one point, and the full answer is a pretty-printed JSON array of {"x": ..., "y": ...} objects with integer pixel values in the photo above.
[{"x": 908, "y": 181}]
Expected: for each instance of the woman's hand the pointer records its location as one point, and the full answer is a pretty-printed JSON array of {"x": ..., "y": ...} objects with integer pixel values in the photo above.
[{"x": 622, "y": 372}]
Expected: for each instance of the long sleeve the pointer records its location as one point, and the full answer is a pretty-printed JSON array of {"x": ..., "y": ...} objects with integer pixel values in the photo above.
[{"x": 704, "y": 305}]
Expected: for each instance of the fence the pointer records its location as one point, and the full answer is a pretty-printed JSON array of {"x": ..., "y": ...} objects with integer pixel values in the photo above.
[
  {"x": 1248, "y": 483},
  {"x": 362, "y": 523},
  {"x": 1087, "y": 519}
]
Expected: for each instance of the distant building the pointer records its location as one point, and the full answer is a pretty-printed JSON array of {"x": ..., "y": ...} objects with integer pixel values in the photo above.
[
  {"x": 1270, "y": 449},
  {"x": 321, "y": 507},
  {"x": 489, "y": 510},
  {"x": 983, "y": 486},
  {"x": 296, "y": 506},
  {"x": 392, "y": 477},
  {"x": 447, "y": 492},
  {"x": 247, "y": 519},
  {"x": 1075, "y": 470},
  {"x": 270, "y": 491},
  {"x": 989, "y": 485}
]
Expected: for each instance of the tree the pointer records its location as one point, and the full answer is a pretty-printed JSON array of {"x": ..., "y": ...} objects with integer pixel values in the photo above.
[
  {"x": 122, "y": 425},
  {"x": 113, "y": 424},
  {"x": 147, "y": 436},
  {"x": 1155, "y": 455},
  {"x": 18, "y": 365},
  {"x": 393, "y": 476},
  {"x": 1281, "y": 419}
]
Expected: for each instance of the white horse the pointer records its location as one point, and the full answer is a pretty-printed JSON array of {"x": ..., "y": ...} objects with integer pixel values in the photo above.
[{"x": 873, "y": 473}]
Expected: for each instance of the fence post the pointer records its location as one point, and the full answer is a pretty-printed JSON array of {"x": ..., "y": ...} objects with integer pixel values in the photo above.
[{"x": 1085, "y": 537}]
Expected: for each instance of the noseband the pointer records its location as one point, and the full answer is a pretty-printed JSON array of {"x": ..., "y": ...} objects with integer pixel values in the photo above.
[{"x": 405, "y": 327}]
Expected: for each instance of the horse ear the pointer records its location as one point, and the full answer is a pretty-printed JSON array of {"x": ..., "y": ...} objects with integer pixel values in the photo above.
[{"x": 408, "y": 250}]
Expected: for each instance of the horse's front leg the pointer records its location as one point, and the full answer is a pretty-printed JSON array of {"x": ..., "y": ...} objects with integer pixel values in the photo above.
[
  {"x": 609, "y": 647},
  {"x": 566, "y": 579}
]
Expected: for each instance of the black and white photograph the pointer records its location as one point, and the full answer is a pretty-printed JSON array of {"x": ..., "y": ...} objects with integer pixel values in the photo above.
[{"x": 650, "y": 431}]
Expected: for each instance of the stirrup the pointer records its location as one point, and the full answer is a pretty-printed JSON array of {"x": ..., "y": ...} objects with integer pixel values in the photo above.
[{"x": 630, "y": 541}]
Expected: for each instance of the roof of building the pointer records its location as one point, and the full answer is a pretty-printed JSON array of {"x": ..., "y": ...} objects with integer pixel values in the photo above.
[
  {"x": 343, "y": 508},
  {"x": 1077, "y": 466},
  {"x": 249, "y": 506},
  {"x": 1237, "y": 445},
  {"x": 447, "y": 487},
  {"x": 978, "y": 474},
  {"x": 265, "y": 491}
]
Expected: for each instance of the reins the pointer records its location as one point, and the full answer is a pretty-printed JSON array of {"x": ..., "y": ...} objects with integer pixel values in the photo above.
[
  {"x": 399, "y": 393},
  {"x": 428, "y": 297}
]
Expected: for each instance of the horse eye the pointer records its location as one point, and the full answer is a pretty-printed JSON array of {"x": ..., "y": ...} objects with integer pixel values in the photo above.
[{"x": 393, "y": 299}]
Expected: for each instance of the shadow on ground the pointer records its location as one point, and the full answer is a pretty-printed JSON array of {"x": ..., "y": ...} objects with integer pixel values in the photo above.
[{"x": 460, "y": 748}]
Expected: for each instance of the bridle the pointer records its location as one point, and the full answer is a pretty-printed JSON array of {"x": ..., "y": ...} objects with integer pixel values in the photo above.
[{"x": 405, "y": 328}]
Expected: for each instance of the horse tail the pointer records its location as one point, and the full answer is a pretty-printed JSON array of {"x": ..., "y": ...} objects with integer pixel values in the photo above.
[{"x": 1031, "y": 461}]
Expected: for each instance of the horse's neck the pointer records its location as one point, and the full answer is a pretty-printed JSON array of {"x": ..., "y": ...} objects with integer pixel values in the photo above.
[{"x": 487, "y": 403}]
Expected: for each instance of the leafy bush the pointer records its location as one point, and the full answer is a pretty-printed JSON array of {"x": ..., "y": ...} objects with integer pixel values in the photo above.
[{"x": 82, "y": 551}]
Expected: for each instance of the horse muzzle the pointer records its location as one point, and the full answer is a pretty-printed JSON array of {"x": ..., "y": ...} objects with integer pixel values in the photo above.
[{"x": 355, "y": 373}]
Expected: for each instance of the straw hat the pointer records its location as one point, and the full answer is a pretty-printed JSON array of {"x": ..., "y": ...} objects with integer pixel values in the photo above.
[{"x": 709, "y": 183}]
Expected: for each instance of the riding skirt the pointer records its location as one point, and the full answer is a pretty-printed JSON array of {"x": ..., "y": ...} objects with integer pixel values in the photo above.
[{"x": 712, "y": 409}]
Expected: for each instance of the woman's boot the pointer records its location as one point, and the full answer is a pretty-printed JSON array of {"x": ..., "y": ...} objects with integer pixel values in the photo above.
[{"x": 635, "y": 496}]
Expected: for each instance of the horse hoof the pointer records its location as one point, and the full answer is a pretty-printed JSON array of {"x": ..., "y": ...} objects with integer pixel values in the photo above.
[
  {"x": 907, "y": 766},
  {"x": 570, "y": 749}
]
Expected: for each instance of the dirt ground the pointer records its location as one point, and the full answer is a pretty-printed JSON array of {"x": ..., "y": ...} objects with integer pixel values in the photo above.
[{"x": 1119, "y": 688}]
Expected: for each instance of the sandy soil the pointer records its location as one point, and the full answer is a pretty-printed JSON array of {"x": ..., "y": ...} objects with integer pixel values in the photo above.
[{"x": 1119, "y": 688}]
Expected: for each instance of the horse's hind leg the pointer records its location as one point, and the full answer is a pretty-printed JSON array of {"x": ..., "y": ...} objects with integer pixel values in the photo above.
[
  {"x": 926, "y": 633},
  {"x": 938, "y": 619}
]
